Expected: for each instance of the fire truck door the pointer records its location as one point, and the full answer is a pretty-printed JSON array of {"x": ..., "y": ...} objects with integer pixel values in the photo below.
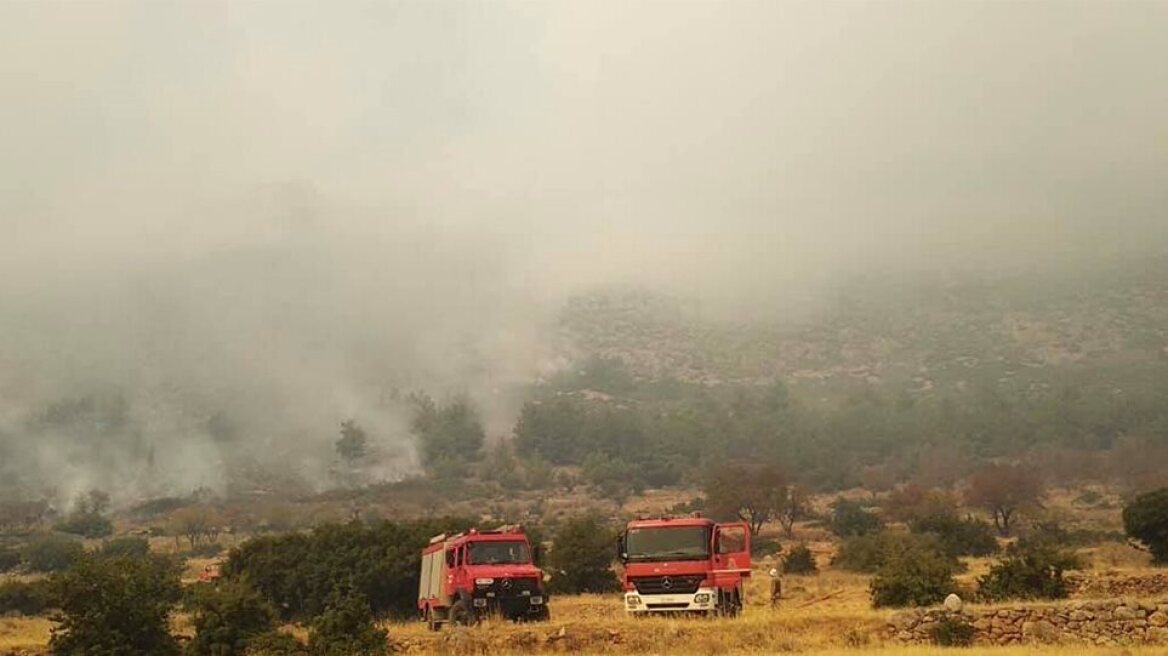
[{"x": 732, "y": 549}]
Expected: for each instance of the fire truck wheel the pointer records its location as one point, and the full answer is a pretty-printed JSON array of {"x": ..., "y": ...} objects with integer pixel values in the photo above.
[{"x": 460, "y": 613}]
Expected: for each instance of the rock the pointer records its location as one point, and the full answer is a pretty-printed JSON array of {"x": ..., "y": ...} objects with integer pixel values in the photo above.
[
  {"x": 1040, "y": 631},
  {"x": 953, "y": 603},
  {"x": 904, "y": 620},
  {"x": 1158, "y": 618},
  {"x": 1157, "y": 634},
  {"x": 1081, "y": 616}
]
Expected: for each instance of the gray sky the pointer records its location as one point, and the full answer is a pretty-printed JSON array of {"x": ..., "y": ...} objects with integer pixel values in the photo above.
[{"x": 281, "y": 208}]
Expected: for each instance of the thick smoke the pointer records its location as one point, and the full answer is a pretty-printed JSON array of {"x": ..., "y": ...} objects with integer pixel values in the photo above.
[{"x": 228, "y": 226}]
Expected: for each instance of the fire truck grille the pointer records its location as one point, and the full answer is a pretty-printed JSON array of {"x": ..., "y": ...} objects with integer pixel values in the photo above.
[
  {"x": 515, "y": 587},
  {"x": 680, "y": 584}
]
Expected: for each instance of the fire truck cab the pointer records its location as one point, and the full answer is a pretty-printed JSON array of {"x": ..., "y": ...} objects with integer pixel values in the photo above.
[
  {"x": 687, "y": 564},
  {"x": 469, "y": 575}
]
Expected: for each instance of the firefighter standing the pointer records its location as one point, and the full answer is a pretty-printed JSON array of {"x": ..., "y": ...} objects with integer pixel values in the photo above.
[{"x": 776, "y": 587}]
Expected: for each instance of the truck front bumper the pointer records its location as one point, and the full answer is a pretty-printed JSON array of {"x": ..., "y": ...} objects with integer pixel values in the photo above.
[{"x": 705, "y": 599}]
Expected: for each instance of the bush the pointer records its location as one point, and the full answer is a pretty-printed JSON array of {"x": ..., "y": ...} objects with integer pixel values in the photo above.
[
  {"x": 914, "y": 573},
  {"x": 205, "y": 550},
  {"x": 799, "y": 560},
  {"x": 10, "y": 559},
  {"x": 952, "y": 632},
  {"x": 31, "y": 598},
  {"x": 1146, "y": 519},
  {"x": 114, "y": 606},
  {"x": 849, "y": 519},
  {"x": 88, "y": 525},
  {"x": 764, "y": 547},
  {"x": 226, "y": 618},
  {"x": 1032, "y": 569},
  {"x": 581, "y": 557},
  {"x": 127, "y": 546},
  {"x": 346, "y": 628},
  {"x": 960, "y": 537},
  {"x": 274, "y": 643},
  {"x": 52, "y": 554},
  {"x": 868, "y": 553},
  {"x": 297, "y": 572}
]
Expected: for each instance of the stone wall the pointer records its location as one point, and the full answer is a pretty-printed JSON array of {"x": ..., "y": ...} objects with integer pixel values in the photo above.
[
  {"x": 1102, "y": 622},
  {"x": 1117, "y": 585}
]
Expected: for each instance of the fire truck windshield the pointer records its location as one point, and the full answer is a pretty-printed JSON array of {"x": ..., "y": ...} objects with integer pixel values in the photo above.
[
  {"x": 498, "y": 552},
  {"x": 668, "y": 543}
]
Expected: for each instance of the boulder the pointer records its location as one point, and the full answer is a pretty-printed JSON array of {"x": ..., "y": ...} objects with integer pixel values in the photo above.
[{"x": 953, "y": 603}]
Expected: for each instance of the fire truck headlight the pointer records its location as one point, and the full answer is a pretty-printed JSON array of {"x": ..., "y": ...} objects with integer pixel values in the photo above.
[
  {"x": 633, "y": 600},
  {"x": 480, "y": 602},
  {"x": 535, "y": 601},
  {"x": 484, "y": 581},
  {"x": 702, "y": 598}
]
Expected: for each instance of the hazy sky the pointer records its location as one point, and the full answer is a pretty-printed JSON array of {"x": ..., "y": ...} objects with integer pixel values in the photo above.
[{"x": 283, "y": 208}]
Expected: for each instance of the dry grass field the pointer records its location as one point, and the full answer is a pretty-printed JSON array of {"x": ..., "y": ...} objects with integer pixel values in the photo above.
[{"x": 825, "y": 613}]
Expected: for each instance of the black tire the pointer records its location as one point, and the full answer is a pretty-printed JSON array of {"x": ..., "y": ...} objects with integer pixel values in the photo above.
[
  {"x": 728, "y": 604},
  {"x": 544, "y": 615},
  {"x": 460, "y": 613}
]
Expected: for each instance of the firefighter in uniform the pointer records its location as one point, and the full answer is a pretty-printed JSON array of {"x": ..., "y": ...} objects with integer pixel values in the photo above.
[{"x": 776, "y": 587}]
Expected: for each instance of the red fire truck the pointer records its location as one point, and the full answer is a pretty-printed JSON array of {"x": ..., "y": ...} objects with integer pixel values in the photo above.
[
  {"x": 469, "y": 575},
  {"x": 686, "y": 564}
]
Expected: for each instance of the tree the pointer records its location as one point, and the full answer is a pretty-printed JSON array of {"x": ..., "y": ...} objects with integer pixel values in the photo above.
[
  {"x": 226, "y": 618},
  {"x": 799, "y": 560},
  {"x": 447, "y": 432},
  {"x": 849, "y": 518},
  {"x": 52, "y": 554},
  {"x": 1032, "y": 569},
  {"x": 960, "y": 537},
  {"x": 756, "y": 494},
  {"x": 581, "y": 556},
  {"x": 194, "y": 523},
  {"x": 1146, "y": 519},
  {"x": 346, "y": 628},
  {"x": 1002, "y": 490},
  {"x": 793, "y": 506},
  {"x": 353, "y": 444},
  {"x": 116, "y": 606},
  {"x": 88, "y": 518},
  {"x": 913, "y": 575}
]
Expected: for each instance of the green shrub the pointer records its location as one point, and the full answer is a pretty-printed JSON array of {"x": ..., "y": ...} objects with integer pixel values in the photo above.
[
  {"x": 88, "y": 525},
  {"x": 799, "y": 560},
  {"x": 914, "y": 573},
  {"x": 51, "y": 554},
  {"x": 764, "y": 547},
  {"x": 297, "y": 572},
  {"x": 581, "y": 556},
  {"x": 1031, "y": 569},
  {"x": 1146, "y": 519},
  {"x": 960, "y": 537},
  {"x": 116, "y": 606},
  {"x": 849, "y": 518},
  {"x": 226, "y": 618},
  {"x": 26, "y": 598},
  {"x": 126, "y": 546},
  {"x": 346, "y": 628},
  {"x": 275, "y": 643},
  {"x": 868, "y": 553},
  {"x": 952, "y": 631},
  {"x": 10, "y": 559}
]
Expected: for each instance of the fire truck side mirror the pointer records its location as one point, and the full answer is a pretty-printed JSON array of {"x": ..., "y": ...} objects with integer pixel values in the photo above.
[
  {"x": 536, "y": 552},
  {"x": 622, "y": 553},
  {"x": 450, "y": 557}
]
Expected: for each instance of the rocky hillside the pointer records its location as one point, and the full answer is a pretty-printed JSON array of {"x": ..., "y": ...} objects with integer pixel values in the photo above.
[{"x": 921, "y": 333}]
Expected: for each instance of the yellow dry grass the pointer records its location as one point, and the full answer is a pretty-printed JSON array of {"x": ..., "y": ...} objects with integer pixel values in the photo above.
[{"x": 19, "y": 634}]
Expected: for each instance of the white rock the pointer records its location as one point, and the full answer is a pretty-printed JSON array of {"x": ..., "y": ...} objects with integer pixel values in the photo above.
[{"x": 953, "y": 603}]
